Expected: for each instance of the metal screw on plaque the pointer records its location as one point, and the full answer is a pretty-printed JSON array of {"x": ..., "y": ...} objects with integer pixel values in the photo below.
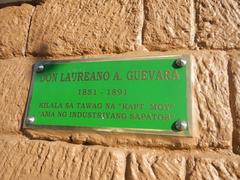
[
  {"x": 180, "y": 125},
  {"x": 40, "y": 68},
  {"x": 30, "y": 120},
  {"x": 180, "y": 62}
]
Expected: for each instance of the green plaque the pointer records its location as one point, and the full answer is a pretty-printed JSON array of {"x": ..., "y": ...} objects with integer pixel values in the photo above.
[{"x": 150, "y": 95}]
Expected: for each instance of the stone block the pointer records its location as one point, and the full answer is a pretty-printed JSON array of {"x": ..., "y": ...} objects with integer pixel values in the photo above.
[
  {"x": 15, "y": 77},
  {"x": 168, "y": 24},
  {"x": 218, "y": 24},
  {"x": 14, "y": 26},
  {"x": 153, "y": 166},
  {"x": 213, "y": 167},
  {"x": 76, "y": 27},
  {"x": 211, "y": 99},
  {"x": 23, "y": 159},
  {"x": 234, "y": 84}
]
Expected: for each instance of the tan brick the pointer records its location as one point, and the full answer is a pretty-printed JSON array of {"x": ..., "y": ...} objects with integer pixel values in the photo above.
[
  {"x": 215, "y": 167},
  {"x": 168, "y": 24},
  {"x": 15, "y": 76},
  {"x": 218, "y": 24},
  {"x": 85, "y": 27},
  {"x": 23, "y": 159},
  {"x": 153, "y": 166},
  {"x": 234, "y": 80},
  {"x": 211, "y": 99},
  {"x": 14, "y": 25}
]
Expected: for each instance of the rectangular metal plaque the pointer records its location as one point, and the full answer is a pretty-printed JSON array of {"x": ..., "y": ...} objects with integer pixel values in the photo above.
[{"x": 150, "y": 95}]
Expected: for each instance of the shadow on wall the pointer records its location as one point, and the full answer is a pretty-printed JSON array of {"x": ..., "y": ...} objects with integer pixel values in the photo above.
[{"x": 43, "y": 51}]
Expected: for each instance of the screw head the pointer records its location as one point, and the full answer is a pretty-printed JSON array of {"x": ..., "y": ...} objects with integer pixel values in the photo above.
[
  {"x": 180, "y": 62},
  {"x": 40, "y": 68},
  {"x": 181, "y": 125},
  {"x": 30, "y": 120}
]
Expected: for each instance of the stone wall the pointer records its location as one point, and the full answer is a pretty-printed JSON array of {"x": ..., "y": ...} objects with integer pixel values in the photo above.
[{"x": 209, "y": 30}]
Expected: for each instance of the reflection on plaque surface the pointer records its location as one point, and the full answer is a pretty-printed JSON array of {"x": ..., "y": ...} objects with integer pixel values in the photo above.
[{"x": 150, "y": 95}]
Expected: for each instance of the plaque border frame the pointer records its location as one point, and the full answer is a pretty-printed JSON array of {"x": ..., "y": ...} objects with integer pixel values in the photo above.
[{"x": 156, "y": 132}]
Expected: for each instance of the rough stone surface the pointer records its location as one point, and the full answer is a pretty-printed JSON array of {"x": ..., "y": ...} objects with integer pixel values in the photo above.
[
  {"x": 15, "y": 76},
  {"x": 24, "y": 159},
  {"x": 84, "y": 27},
  {"x": 168, "y": 24},
  {"x": 213, "y": 168},
  {"x": 211, "y": 99},
  {"x": 234, "y": 84},
  {"x": 112, "y": 139},
  {"x": 147, "y": 166},
  {"x": 14, "y": 25},
  {"x": 218, "y": 24}
]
